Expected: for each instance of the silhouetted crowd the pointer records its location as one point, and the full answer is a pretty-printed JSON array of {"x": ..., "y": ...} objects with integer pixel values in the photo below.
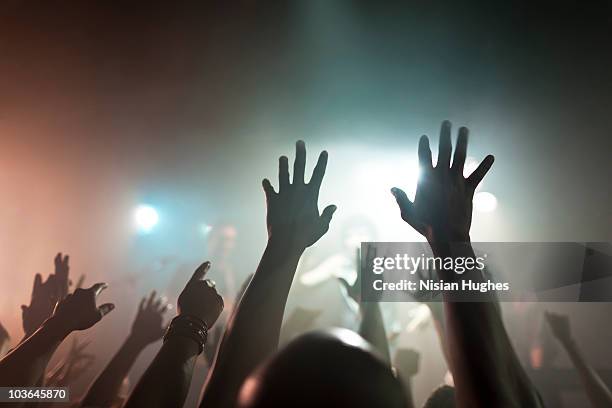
[{"x": 329, "y": 368}]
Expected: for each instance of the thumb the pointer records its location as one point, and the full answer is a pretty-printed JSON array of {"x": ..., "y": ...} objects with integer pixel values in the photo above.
[
  {"x": 327, "y": 214},
  {"x": 200, "y": 272},
  {"x": 403, "y": 202}
]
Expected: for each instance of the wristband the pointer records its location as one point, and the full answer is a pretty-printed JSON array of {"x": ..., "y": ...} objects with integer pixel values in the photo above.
[{"x": 190, "y": 327}]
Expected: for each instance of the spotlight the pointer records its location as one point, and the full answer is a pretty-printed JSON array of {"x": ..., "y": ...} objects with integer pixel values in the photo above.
[
  {"x": 146, "y": 218},
  {"x": 485, "y": 202}
]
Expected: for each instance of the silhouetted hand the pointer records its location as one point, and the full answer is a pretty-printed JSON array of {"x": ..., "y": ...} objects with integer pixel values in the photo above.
[
  {"x": 354, "y": 291},
  {"x": 148, "y": 325},
  {"x": 442, "y": 208},
  {"x": 78, "y": 311},
  {"x": 293, "y": 215},
  {"x": 61, "y": 274},
  {"x": 560, "y": 326},
  {"x": 200, "y": 298},
  {"x": 45, "y": 295}
]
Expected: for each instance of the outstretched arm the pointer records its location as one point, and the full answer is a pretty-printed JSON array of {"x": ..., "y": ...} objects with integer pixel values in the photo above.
[
  {"x": 597, "y": 391},
  {"x": 294, "y": 223},
  {"x": 486, "y": 369},
  {"x": 147, "y": 328},
  {"x": 25, "y": 364},
  {"x": 166, "y": 381}
]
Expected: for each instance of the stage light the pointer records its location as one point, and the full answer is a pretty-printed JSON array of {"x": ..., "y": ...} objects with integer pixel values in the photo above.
[
  {"x": 485, "y": 202},
  {"x": 146, "y": 218},
  {"x": 205, "y": 228}
]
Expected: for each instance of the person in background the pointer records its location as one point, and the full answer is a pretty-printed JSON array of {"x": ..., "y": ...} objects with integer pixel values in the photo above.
[
  {"x": 597, "y": 391},
  {"x": 148, "y": 327}
]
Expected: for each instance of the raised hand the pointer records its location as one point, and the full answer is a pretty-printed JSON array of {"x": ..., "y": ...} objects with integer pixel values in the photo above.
[
  {"x": 560, "y": 326},
  {"x": 78, "y": 311},
  {"x": 43, "y": 301},
  {"x": 200, "y": 298},
  {"x": 442, "y": 208},
  {"x": 45, "y": 295},
  {"x": 354, "y": 291},
  {"x": 293, "y": 213},
  {"x": 148, "y": 325},
  {"x": 61, "y": 274}
]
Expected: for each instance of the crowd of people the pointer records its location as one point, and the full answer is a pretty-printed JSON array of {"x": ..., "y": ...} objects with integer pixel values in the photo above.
[{"x": 330, "y": 368}]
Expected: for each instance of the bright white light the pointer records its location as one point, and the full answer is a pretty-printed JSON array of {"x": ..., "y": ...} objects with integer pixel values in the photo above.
[
  {"x": 146, "y": 217},
  {"x": 206, "y": 229},
  {"x": 485, "y": 202}
]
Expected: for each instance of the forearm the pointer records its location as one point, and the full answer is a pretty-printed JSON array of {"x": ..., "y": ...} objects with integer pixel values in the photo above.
[
  {"x": 597, "y": 391},
  {"x": 437, "y": 314},
  {"x": 257, "y": 318},
  {"x": 166, "y": 382},
  {"x": 407, "y": 382},
  {"x": 372, "y": 329},
  {"x": 104, "y": 390},
  {"x": 25, "y": 365},
  {"x": 485, "y": 368}
]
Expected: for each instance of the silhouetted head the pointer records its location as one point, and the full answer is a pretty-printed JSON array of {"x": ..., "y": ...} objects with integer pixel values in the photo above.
[
  {"x": 441, "y": 397},
  {"x": 335, "y": 368}
]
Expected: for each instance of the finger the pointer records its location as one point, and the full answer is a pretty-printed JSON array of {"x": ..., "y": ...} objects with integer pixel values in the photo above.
[
  {"x": 98, "y": 288},
  {"x": 319, "y": 171},
  {"x": 141, "y": 304},
  {"x": 404, "y": 203},
  {"x": 327, "y": 215},
  {"x": 460, "y": 150},
  {"x": 424, "y": 153},
  {"x": 476, "y": 177},
  {"x": 151, "y": 299},
  {"x": 37, "y": 283},
  {"x": 160, "y": 301},
  {"x": 444, "y": 147},
  {"x": 283, "y": 173},
  {"x": 57, "y": 261},
  {"x": 65, "y": 266},
  {"x": 165, "y": 308},
  {"x": 80, "y": 282},
  {"x": 200, "y": 272},
  {"x": 268, "y": 189},
  {"x": 106, "y": 309},
  {"x": 299, "y": 165}
]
